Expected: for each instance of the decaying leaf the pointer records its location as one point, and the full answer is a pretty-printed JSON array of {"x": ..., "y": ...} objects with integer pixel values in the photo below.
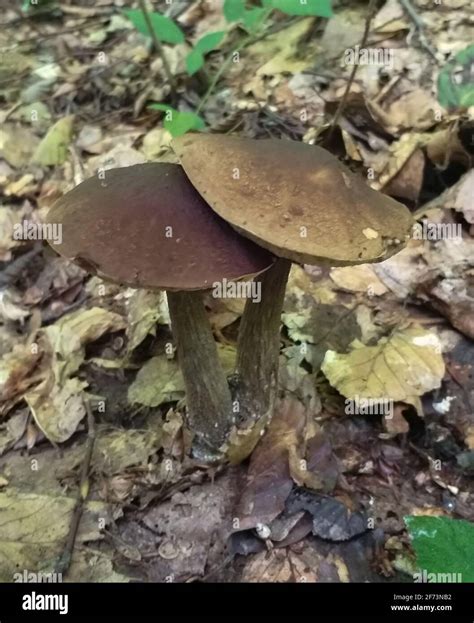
[
  {"x": 17, "y": 144},
  {"x": 332, "y": 520},
  {"x": 278, "y": 566},
  {"x": 57, "y": 409},
  {"x": 34, "y": 528},
  {"x": 158, "y": 381},
  {"x": 292, "y": 450},
  {"x": 115, "y": 450},
  {"x": 269, "y": 480},
  {"x": 72, "y": 332},
  {"x": 16, "y": 370},
  {"x": 145, "y": 309},
  {"x": 401, "y": 367}
]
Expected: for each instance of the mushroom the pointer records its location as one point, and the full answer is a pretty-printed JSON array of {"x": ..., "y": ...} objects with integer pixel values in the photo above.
[
  {"x": 145, "y": 226},
  {"x": 302, "y": 204}
]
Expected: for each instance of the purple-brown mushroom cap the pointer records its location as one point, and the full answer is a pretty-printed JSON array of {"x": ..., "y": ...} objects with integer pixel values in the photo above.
[{"x": 146, "y": 226}]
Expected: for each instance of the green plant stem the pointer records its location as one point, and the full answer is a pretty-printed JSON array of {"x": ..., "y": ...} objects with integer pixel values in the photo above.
[
  {"x": 158, "y": 45},
  {"x": 226, "y": 64}
]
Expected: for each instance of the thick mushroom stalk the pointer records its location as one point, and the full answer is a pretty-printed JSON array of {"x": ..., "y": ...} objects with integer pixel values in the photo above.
[
  {"x": 208, "y": 398},
  {"x": 146, "y": 227},
  {"x": 259, "y": 345},
  {"x": 302, "y": 204}
]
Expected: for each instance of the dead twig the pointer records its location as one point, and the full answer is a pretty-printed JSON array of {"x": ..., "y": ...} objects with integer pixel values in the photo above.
[
  {"x": 363, "y": 43},
  {"x": 64, "y": 562}
]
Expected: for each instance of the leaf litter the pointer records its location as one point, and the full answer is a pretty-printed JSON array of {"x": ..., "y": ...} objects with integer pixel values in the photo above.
[{"x": 323, "y": 495}]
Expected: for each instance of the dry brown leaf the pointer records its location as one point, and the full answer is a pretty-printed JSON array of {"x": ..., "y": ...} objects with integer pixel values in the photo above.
[{"x": 360, "y": 278}]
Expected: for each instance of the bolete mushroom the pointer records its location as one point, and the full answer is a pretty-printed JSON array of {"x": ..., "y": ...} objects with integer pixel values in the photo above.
[
  {"x": 302, "y": 204},
  {"x": 145, "y": 226}
]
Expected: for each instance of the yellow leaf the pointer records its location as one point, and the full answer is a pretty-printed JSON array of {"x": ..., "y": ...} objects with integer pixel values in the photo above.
[
  {"x": 400, "y": 367},
  {"x": 53, "y": 148}
]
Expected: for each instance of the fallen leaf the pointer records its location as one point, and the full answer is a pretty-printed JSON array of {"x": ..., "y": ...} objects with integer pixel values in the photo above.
[
  {"x": 332, "y": 520},
  {"x": 69, "y": 335},
  {"x": 53, "y": 149},
  {"x": 269, "y": 482},
  {"x": 401, "y": 367},
  {"x": 407, "y": 183},
  {"x": 453, "y": 299},
  {"x": 57, "y": 409},
  {"x": 144, "y": 310},
  {"x": 282, "y": 566},
  {"x": 17, "y": 144},
  {"x": 16, "y": 371},
  {"x": 34, "y": 528},
  {"x": 360, "y": 278},
  {"x": 158, "y": 381}
]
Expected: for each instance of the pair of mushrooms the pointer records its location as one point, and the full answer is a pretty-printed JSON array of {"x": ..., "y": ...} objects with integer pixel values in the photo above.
[{"x": 237, "y": 208}]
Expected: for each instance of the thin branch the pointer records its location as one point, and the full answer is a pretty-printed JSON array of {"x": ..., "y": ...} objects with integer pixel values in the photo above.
[
  {"x": 420, "y": 26},
  {"x": 365, "y": 36},
  {"x": 64, "y": 562},
  {"x": 158, "y": 45}
]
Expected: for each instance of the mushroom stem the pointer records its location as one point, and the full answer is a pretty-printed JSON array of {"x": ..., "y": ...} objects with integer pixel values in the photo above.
[
  {"x": 259, "y": 345},
  {"x": 208, "y": 398}
]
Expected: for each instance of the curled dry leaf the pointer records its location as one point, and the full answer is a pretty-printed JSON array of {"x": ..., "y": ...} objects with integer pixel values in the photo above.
[
  {"x": 69, "y": 335},
  {"x": 57, "y": 409},
  {"x": 16, "y": 371},
  {"x": 145, "y": 309},
  {"x": 292, "y": 450}
]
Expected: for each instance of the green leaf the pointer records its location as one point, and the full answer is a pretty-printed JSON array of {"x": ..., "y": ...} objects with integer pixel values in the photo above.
[
  {"x": 234, "y": 10},
  {"x": 209, "y": 42},
  {"x": 443, "y": 545},
  {"x": 165, "y": 29},
  {"x": 178, "y": 123},
  {"x": 195, "y": 59},
  {"x": 252, "y": 18},
  {"x": 455, "y": 85},
  {"x": 321, "y": 8},
  {"x": 194, "y": 62}
]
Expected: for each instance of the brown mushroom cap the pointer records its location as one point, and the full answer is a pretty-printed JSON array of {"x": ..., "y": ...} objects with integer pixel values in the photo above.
[
  {"x": 296, "y": 200},
  {"x": 146, "y": 226}
]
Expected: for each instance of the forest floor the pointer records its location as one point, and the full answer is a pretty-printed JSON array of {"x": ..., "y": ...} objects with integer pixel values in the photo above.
[{"x": 324, "y": 494}]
